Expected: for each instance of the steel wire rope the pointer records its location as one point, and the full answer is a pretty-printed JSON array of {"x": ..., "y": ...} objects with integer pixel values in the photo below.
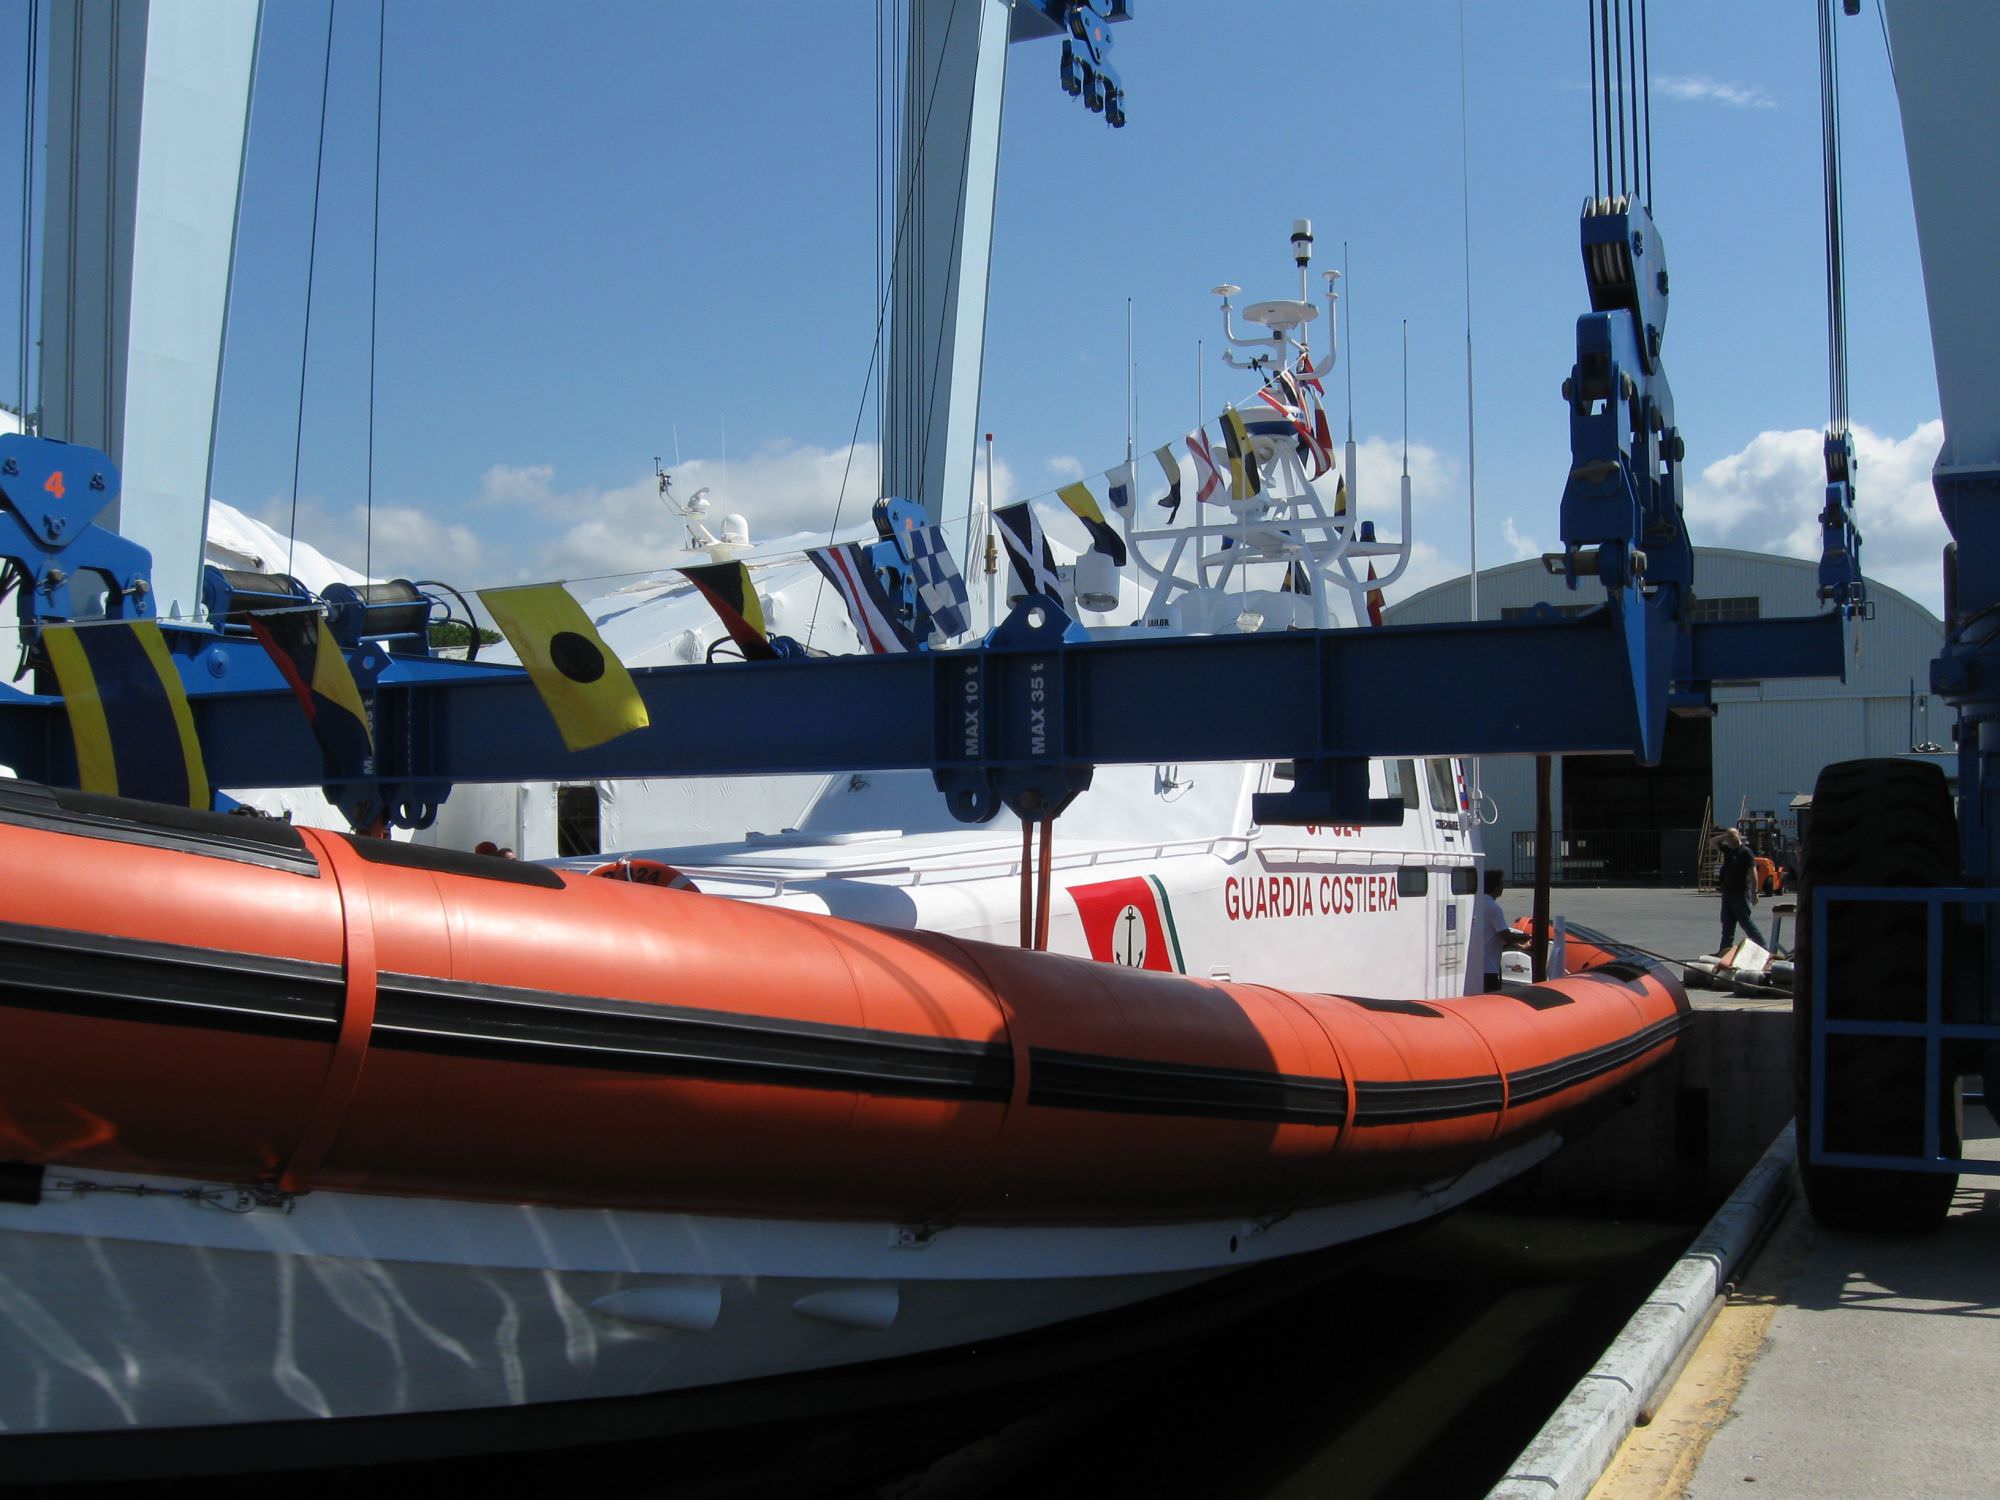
[
  {"x": 1836, "y": 289},
  {"x": 1590, "y": 20},
  {"x": 374, "y": 298},
  {"x": 881, "y": 312},
  {"x": 923, "y": 455},
  {"x": 1646, "y": 77},
  {"x": 1632, "y": 89},
  {"x": 1618, "y": 88},
  {"x": 229, "y": 283},
  {"x": 1888, "y": 50},
  {"x": 1604, "y": 70},
  {"x": 28, "y": 197},
  {"x": 312, "y": 256}
]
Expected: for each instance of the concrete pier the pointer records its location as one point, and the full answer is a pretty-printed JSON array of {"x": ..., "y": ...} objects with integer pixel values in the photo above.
[{"x": 1694, "y": 1128}]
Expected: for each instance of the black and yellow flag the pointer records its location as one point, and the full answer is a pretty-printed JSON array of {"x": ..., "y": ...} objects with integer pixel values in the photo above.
[
  {"x": 310, "y": 661},
  {"x": 728, "y": 589},
  {"x": 1244, "y": 481},
  {"x": 1083, "y": 505},
  {"x": 127, "y": 712},
  {"x": 586, "y": 688}
]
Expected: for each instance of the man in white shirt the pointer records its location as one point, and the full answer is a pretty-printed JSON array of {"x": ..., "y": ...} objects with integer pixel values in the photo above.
[{"x": 1489, "y": 938}]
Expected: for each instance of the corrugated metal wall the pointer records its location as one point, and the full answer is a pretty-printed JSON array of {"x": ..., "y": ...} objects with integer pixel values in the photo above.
[{"x": 1770, "y": 739}]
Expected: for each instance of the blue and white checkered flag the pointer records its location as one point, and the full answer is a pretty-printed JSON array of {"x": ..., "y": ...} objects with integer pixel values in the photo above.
[{"x": 939, "y": 584}]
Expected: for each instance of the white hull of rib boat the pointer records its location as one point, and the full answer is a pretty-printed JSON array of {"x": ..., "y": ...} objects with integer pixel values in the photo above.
[{"x": 211, "y": 1308}]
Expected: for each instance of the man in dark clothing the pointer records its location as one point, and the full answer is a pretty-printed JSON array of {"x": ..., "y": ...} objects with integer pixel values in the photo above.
[{"x": 1736, "y": 877}]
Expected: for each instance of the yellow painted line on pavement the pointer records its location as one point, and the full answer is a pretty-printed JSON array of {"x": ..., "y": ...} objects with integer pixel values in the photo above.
[{"x": 1658, "y": 1461}]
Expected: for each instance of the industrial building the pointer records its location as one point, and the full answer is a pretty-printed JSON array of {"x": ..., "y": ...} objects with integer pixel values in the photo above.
[{"x": 1760, "y": 751}]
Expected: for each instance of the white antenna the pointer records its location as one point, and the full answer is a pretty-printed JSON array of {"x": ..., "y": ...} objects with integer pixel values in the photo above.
[
  {"x": 1131, "y": 384},
  {"x": 1353, "y": 473},
  {"x": 1350, "y": 349},
  {"x": 1406, "y": 414},
  {"x": 992, "y": 557},
  {"x": 1471, "y": 447},
  {"x": 1465, "y": 216}
]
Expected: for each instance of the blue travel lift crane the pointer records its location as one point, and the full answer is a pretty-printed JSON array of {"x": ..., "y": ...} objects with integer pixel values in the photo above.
[
  {"x": 1897, "y": 1000},
  {"x": 1900, "y": 985}
]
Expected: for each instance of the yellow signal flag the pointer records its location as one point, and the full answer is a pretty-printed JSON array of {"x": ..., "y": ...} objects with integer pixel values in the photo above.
[
  {"x": 1083, "y": 505},
  {"x": 582, "y": 682}
]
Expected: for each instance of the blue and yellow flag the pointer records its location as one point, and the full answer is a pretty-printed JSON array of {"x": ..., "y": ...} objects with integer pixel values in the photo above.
[
  {"x": 128, "y": 714},
  {"x": 310, "y": 661},
  {"x": 586, "y": 688},
  {"x": 1244, "y": 482}
]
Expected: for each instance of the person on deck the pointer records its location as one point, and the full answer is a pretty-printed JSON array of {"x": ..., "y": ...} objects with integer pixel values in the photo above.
[
  {"x": 1736, "y": 877},
  {"x": 1489, "y": 938}
]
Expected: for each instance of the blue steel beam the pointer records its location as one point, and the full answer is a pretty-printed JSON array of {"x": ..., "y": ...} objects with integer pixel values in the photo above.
[{"x": 1022, "y": 720}]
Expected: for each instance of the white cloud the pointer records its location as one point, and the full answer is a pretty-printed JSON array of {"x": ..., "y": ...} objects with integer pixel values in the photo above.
[
  {"x": 784, "y": 490},
  {"x": 401, "y": 542},
  {"x": 1767, "y": 498},
  {"x": 1523, "y": 547},
  {"x": 515, "y": 484},
  {"x": 1065, "y": 466},
  {"x": 1700, "y": 89}
]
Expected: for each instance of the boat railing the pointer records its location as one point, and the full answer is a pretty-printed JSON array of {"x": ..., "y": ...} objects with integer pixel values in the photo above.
[
  {"x": 776, "y": 883},
  {"x": 1317, "y": 854}
]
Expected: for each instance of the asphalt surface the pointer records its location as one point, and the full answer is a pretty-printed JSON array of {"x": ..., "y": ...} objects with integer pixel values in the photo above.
[
  {"x": 1875, "y": 1374},
  {"x": 1845, "y": 1365},
  {"x": 1675, "y": 922}
]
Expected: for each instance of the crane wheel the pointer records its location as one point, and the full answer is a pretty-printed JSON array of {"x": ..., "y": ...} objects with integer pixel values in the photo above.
[{"x": 1874, "y": 823}]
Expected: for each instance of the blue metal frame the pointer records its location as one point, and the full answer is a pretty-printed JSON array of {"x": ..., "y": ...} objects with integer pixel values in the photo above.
[
  {"x": 1934, "y": 1030},
  {"x": 51, "y": 494},
  {"x": 1322, "y": 698}
]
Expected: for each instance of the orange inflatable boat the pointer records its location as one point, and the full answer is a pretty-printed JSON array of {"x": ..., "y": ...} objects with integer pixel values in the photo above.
[{"x": 231, "y": 999}]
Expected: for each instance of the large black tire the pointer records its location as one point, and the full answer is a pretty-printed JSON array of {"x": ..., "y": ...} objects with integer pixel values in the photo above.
[{"x": 1874, "y": 823}]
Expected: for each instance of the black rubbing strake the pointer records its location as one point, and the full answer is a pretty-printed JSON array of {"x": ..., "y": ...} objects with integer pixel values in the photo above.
[{"x": 1082, "y": 1080}]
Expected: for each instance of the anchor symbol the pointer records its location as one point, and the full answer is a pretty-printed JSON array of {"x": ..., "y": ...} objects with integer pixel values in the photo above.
[{"x": 1128, "y": 939}]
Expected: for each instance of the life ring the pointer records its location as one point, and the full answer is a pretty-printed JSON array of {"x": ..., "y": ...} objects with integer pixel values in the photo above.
[{"x": 646, "y": 872}]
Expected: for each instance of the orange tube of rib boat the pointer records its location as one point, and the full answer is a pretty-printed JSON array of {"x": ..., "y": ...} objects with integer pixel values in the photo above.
[{"x": 544, "y": 1037}]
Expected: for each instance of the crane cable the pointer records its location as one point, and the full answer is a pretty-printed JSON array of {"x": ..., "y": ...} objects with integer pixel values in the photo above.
[
  {"x": 905, "y": 204},
  {"x": 28, "y": 197},
  {"x": 1621, "y": 101},
  {"x": 1836, "y": 280},
  {"x": 312, "y": 256},
  {"x": 374, "y": 299}
]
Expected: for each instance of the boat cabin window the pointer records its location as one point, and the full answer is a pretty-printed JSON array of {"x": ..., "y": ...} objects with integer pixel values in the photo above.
[
  {"x": 1383, "y": 777},
  {"x": 1444, "y": 785},
  {"x": 1413, "y": 880},
  {"x": 579, "y": 826},
  {"x": 1464, "y": 880}
]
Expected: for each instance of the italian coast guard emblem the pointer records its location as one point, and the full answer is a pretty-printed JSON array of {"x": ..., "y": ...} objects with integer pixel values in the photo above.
[
  {"x": 1130, "y": 923},
  {"x": 1128, "y": 939}
]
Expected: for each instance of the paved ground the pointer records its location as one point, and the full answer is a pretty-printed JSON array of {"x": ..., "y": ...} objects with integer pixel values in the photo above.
[
  {"x": 1846, "y": 1365},
  {"x": 1674, "y": 922}
]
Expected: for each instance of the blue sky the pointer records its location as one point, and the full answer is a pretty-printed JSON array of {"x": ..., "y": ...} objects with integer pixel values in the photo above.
[{"x": 604, "y": 224}]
